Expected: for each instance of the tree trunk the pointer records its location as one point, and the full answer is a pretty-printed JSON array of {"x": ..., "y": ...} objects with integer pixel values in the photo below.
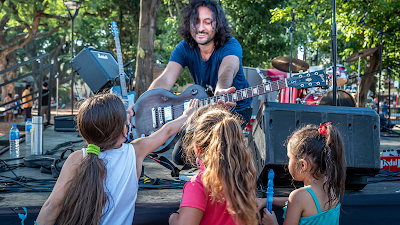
[
  {"x": 145, "y": 58},
  {"x": 366, "y": 81}
]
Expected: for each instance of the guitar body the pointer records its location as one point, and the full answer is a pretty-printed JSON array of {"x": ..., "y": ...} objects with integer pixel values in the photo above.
[{"x": 155, "y": 98}]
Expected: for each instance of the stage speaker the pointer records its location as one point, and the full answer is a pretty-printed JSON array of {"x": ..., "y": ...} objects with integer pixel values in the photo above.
[
  {"x": 98, "y": 68},
  {"x": 65, "y": 123},
  {"x": 359, "y": 128}
]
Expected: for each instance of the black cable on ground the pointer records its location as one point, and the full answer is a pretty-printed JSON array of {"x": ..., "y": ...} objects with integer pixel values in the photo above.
[{"x": 385, "y": 176}]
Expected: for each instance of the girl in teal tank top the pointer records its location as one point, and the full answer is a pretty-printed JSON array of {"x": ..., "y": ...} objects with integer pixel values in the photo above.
[{"x": 316, "y": 157}]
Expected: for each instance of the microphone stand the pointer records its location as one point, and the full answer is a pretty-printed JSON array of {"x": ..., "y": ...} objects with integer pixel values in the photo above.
[
  {"x": 380, "y": 33},
  {"x": 291, "y": 29},
  {"x": 334, "y": 51}
]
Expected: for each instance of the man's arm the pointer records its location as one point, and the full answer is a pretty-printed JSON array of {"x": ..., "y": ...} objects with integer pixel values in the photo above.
[
  {"x": 165, "y": 81},
  {"x": 227, "y": 71},
  {"x": 168, "y": 78}
]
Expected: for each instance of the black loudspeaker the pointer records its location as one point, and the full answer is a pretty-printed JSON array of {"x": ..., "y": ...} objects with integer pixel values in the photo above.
[
  {"x": 359, "y": 128},
  {"x": 98, "y": 68},
  {"x": 65, "y": 123}
]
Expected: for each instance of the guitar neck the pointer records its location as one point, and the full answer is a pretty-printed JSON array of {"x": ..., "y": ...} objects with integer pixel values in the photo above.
[
  {"x": 247, "y": 92},
  {"x": 124, "y": 92}
]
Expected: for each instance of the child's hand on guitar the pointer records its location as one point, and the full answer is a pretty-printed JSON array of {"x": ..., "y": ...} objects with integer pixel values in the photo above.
[
  {"x": 193, "y": 106},
  {"x": 130, "y": 112},
  {"x": 224, "y": 91}
]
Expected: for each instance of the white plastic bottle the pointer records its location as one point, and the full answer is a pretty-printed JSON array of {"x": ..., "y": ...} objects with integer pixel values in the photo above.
[
  {"x": 14, "y": 141},
  {"x": 28, "y": 134}
]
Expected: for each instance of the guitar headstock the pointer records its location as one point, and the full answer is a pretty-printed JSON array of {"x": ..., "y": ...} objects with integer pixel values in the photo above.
[
  {"x": 307, "y": 80},
  {"x": 114, "y": 28}
]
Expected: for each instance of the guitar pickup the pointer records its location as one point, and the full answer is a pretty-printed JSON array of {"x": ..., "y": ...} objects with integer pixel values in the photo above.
[
  {"x": 168, "y": 113},
  {"x": 185, "y": 104},
  {"x": 160, "y": 116},
  {"x": 154, "y": 117}
]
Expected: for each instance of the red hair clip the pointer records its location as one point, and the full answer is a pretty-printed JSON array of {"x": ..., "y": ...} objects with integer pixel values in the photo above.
[{"x": 322, "y": 128}]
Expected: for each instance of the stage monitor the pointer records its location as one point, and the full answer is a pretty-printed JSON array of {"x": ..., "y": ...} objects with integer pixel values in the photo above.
[{"x": 98, "y": 68}]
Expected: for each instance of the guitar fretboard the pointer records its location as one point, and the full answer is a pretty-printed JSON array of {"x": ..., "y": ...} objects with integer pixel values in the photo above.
[
  {"x": 246, "y": 92},
  {"x": 120, "y": 67}
]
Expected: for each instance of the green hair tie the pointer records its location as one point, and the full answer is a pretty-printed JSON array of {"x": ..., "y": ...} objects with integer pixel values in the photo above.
[{"x": 94, "y": 149}]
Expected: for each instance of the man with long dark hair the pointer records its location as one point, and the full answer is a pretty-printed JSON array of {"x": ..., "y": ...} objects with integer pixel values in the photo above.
[{"x": 212, "y": 55}]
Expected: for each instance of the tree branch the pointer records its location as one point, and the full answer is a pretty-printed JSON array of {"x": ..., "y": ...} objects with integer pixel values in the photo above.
[
  {"x": 15, "y": 45},
  {"x": 50, "y": 32},
  {"x": 4, "y": 21},
  {"x": 17, "y": 37},
  {"x": 90, "y": 14},
  {"x": 44, "y": 15}
]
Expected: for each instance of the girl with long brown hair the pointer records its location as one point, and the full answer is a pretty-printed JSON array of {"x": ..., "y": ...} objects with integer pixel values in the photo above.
[
  {"x": 99, "y": 184},
  {"x": 316, "y": 157},
  {"x": 224, "y": 191}
]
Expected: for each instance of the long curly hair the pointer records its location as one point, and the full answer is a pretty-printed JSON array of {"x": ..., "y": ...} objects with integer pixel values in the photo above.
[
  {"x": 326, "y": 155},
  {"x": 101, "y": 120},
  {"x": 190, "y": 17},
  {"x": 229, "y": 173}
]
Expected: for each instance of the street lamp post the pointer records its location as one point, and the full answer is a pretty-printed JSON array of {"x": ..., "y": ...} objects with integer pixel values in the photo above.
[{"x": 72, "y": 5}]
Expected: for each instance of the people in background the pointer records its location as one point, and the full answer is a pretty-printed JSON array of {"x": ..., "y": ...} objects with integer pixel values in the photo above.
[
  {"x": 26, "y": 99},
  {"x": 385, "y": 109},
  {"x": 9, "y": 117},
  {"x": 19, "y": 110}
]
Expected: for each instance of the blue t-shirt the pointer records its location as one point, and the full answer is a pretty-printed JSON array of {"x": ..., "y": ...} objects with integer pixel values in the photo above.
[{"x": 206, "y": 72}]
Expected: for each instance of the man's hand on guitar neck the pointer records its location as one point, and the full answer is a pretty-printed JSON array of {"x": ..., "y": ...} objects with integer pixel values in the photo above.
[{"x": 224, "y": 91}]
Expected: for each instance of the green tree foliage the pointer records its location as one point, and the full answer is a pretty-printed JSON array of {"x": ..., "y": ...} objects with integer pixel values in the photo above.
[
  {"x": 52, "y": 33},
  {"x": 315, "y": 19},
  {"x": 261, "y": 39}
]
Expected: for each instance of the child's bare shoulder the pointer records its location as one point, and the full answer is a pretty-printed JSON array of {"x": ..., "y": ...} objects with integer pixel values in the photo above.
[
  {"x": 75, "y": 157},
  {"x": 299, "y": 195}
]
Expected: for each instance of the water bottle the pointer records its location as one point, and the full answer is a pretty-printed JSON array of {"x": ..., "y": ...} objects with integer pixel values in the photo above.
[
  {"x": 14, "y": 141},
  {"x": 28, "y": 135}
]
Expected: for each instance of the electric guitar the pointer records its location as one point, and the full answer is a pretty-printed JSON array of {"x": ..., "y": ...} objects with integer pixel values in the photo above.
[
  {"x": 157, "y": 107},
  {"x": 127, "y": 98},
  {"x": 121, "y": 90}
]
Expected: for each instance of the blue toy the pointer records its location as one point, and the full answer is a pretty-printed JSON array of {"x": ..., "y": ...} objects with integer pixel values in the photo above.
[
  {"x": 270, "y": 190},
  {"x": 23, "y": 216}
]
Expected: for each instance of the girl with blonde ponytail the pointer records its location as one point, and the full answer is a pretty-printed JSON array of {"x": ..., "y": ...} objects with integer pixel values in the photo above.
[{"x": 224, "y": 191}]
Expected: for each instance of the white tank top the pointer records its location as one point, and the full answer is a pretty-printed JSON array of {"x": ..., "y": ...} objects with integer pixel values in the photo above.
[{"x": 121, "y": 184}]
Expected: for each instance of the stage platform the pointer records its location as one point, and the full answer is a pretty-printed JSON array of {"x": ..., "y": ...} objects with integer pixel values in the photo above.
[{"x": 377, "y": 203}]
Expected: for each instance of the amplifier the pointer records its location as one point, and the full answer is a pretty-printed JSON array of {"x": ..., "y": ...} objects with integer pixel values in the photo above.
[
  {"x": 65, "y": 123},
  {"x": 359, "y": 128},
  {"x": 98, "y": 68}
]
